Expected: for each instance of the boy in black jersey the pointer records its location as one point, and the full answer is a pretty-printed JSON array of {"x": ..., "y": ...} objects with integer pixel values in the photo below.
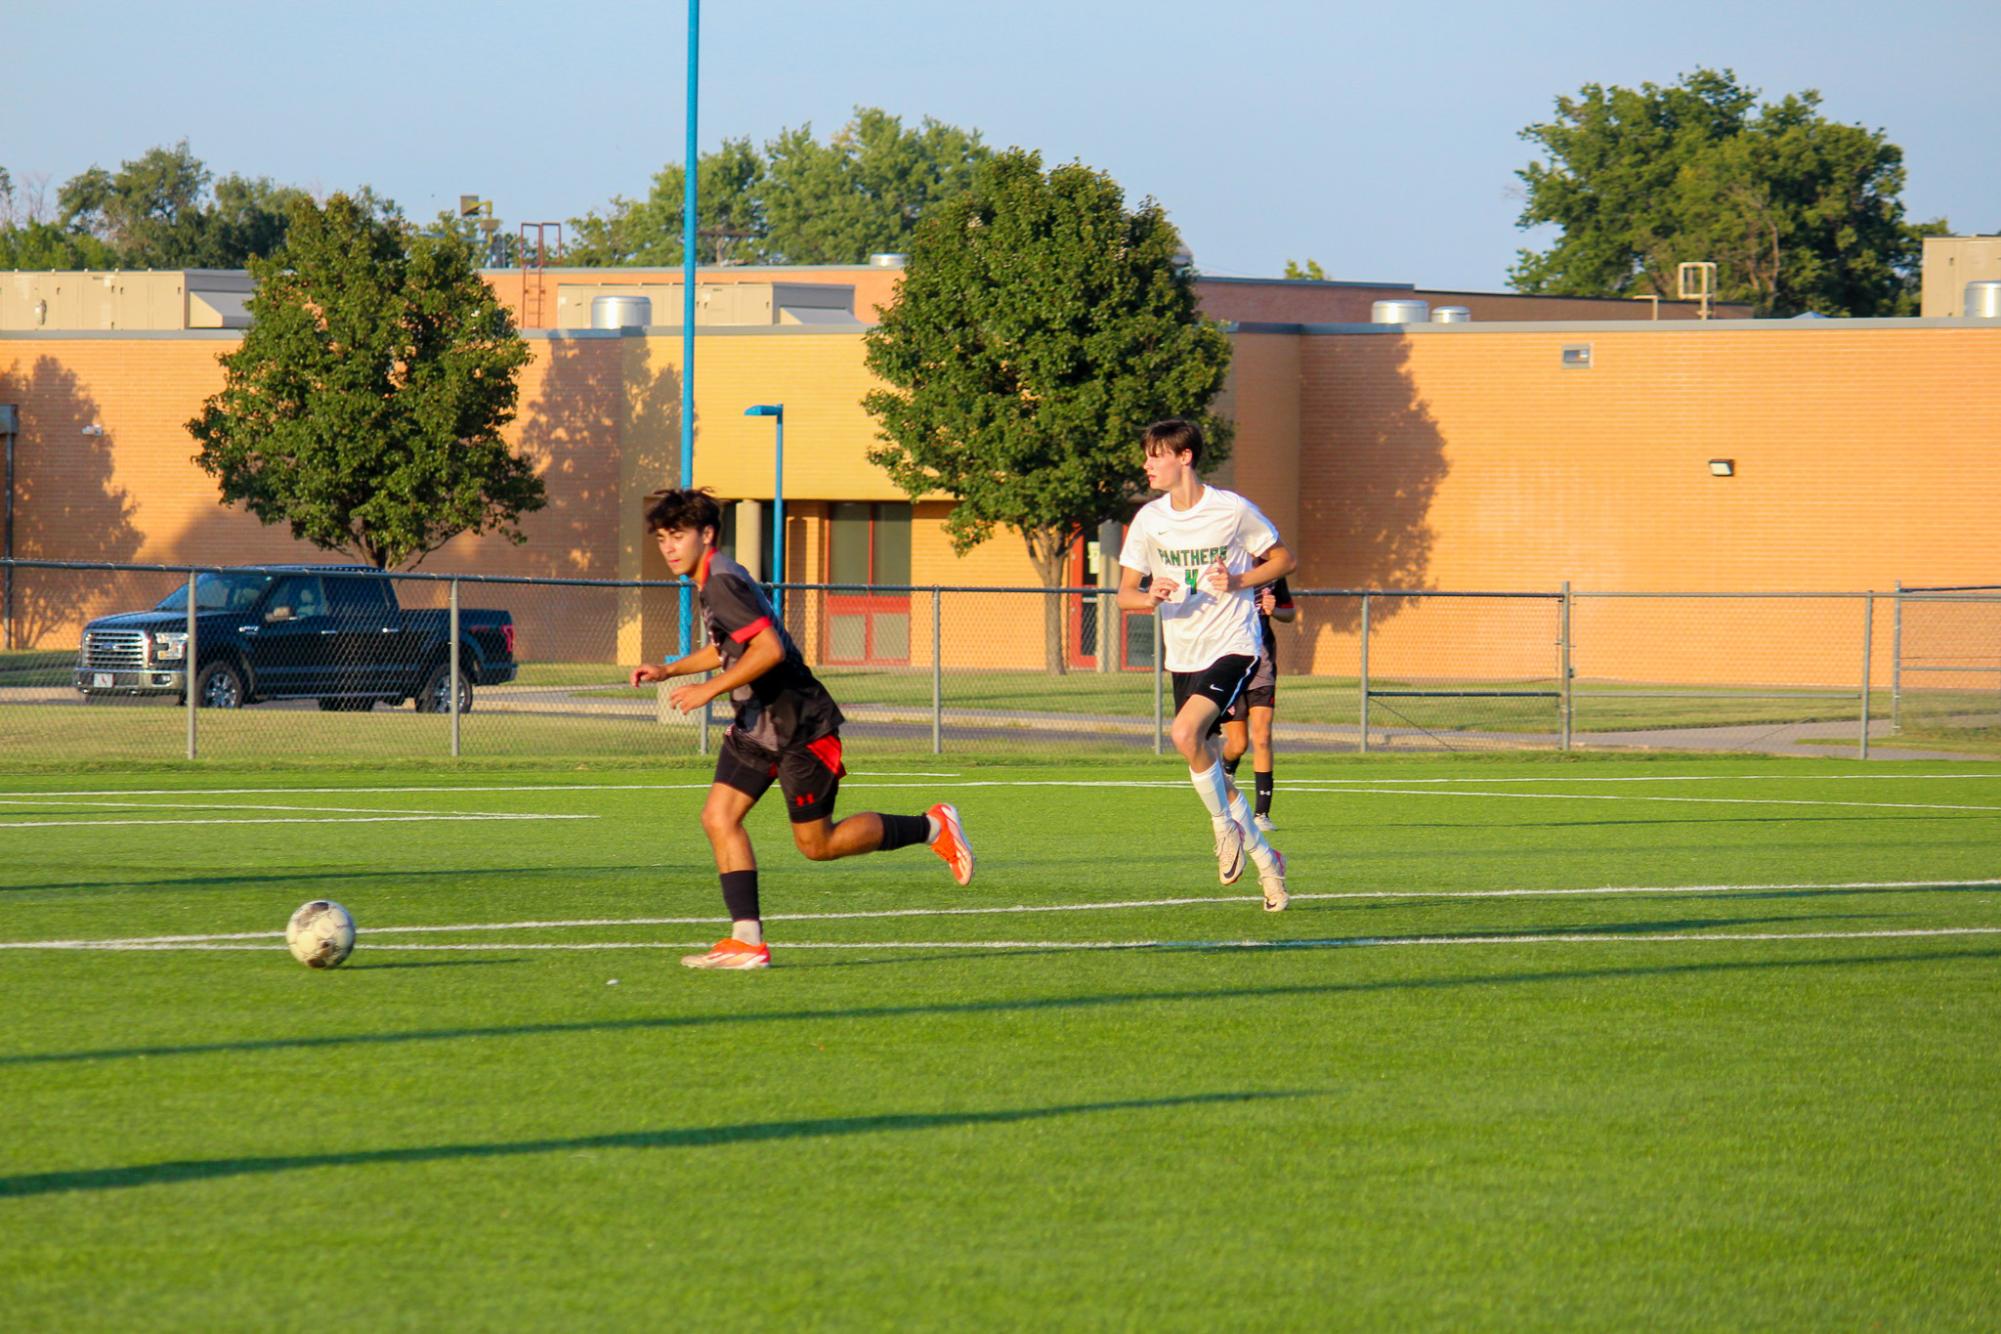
[
  {"x": 1247, "y": 724},
  {"x": 787, "y": 728}
]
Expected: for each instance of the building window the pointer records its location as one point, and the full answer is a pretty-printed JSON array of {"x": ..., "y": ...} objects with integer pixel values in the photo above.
[{"x": 868, "y": 547}]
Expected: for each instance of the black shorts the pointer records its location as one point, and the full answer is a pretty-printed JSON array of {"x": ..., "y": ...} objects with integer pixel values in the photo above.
[
  {"x": 1261, "y": 693},
  {"x": 1221, "y": 682},
  {"x": 809, "y": 774}
]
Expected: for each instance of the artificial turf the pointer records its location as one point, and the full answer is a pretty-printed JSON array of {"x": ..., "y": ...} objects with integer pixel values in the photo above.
[{"x": 1600, "y": 1126}]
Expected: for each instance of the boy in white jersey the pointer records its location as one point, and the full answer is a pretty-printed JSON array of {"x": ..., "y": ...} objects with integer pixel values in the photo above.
[{"x": 1207, "y": 551}]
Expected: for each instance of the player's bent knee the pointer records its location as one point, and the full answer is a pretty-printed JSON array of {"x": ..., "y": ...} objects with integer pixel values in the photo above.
[{"x": 813, "y": 842}]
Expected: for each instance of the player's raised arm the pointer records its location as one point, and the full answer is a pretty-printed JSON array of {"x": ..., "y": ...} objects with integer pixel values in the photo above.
[
  {"x": 1136, "y": 599},
  {"x": 764, "y": 651},
  {"x": 703, "y": 659},
  {"x": 1276, "y": 563}
]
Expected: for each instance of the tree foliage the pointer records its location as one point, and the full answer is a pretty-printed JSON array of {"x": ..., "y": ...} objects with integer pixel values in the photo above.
[
  {"x": 365, "y": 404},
  {"x": 1307, "y": 272},
  {"x": 1040, "y": 326},
  {"x": 162, "y": 210},
  {"x": 1800, "y": 213},
  {"x": 798, "y": 201}
]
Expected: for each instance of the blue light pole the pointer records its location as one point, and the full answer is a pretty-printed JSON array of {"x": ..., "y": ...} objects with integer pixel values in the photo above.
[
  {"x": 776, "y": 411},
  {"x": 691, "y": 163}
]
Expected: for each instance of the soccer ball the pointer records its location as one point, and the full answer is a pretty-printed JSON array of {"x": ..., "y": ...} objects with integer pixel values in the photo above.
[{"x": 320, "y": 934}]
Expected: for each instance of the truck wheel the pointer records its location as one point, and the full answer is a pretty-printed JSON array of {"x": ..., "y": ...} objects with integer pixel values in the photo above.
[
  {"x": 220, "y": 686},
  {"x": 433, "y": 697}
]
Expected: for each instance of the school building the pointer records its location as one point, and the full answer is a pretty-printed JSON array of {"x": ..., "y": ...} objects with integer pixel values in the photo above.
[{"x": 1613, "y": 444}]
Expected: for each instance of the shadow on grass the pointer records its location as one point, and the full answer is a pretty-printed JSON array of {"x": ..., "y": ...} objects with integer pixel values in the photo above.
[
  {"x": 691, "y": 1137},
  {"x": 1028, "y": 1005}
]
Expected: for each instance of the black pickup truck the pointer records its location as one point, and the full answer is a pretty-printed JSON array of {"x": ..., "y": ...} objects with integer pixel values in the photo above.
[{"x": 328, "y": 632}]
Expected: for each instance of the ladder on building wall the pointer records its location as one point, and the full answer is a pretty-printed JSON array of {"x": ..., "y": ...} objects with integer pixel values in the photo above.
[{"x": 534, "y": 252}]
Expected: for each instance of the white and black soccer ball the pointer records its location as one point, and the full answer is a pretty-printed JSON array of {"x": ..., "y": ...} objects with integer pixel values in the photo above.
[{"x": 320, "y": 934}]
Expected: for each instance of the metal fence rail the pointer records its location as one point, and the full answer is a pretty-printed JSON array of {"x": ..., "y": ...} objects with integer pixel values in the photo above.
[{"x": 532, "y": 669}]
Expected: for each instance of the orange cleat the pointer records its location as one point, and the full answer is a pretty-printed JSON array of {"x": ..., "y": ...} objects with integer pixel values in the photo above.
[
  {"x": 951, "y": 842},
  {"x": 730, "y": 953}
]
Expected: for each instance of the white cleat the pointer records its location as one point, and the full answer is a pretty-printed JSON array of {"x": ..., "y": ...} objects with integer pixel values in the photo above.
[
  {"x": 1273, "y": 884},
  {"x": 1265, "y": 824},
  {"x": 1229, "y": 851}
]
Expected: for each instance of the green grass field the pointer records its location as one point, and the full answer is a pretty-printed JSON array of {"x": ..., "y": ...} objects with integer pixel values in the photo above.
[{"x": 1670, "y": 1043}]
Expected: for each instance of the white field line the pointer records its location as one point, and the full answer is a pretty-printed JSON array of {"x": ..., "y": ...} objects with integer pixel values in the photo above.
[
  {"x": 89, "y": 823},
  {"x": 1628, "y": 796},
  {"x": 1339, "y": 942},
  {"x": 1121, "y": 905},
  {"x": 231, "y": 806},
  {"x": 888, "y": 781}
]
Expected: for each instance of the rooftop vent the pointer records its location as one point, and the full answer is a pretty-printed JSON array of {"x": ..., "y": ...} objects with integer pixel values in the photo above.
[
  {"x": 621, "y": 312},
  {"x": 1983, "y": 299},
  {"x": 1400, "y": 312},
  {"x": 1452, "y": 315},
  {"x": 888, "y": 260}
]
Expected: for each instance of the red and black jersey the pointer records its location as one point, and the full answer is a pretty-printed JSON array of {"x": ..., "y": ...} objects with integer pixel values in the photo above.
[
  {"x": 785, "y": 707},
  {"x": 1283, "y": 593}
]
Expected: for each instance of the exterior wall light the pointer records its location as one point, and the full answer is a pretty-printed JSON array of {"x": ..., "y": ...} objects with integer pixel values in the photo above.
[{"x": 1723, "y": 467}]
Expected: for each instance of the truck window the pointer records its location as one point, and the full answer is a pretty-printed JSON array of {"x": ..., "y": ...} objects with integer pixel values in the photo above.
[
  {"x": 296, "y": 598},
  {"x": 359, "y": 597}
]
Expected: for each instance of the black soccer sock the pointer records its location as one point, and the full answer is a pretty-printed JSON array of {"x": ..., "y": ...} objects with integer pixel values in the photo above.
[
  {"x": 1263, "y": 777},
  {"x": 1230, "y": 766},
  {"x": 900, "y": 831},
  {"x": 740, "y": 895}
]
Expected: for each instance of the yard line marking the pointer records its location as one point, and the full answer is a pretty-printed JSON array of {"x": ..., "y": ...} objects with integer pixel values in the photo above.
[
  {"x": 1334, "y": 942},
  {"x": 91, "y": 823},
  {"x": 858, "y": 780},
  {"x": 1207, "y": 900}
]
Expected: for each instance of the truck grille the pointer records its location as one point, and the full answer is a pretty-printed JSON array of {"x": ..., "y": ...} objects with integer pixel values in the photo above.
[{"x": 114, "y": 650}]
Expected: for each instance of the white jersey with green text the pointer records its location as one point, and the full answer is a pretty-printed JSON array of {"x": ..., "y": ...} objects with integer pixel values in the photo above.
[{"x": 1198, "y": 626}]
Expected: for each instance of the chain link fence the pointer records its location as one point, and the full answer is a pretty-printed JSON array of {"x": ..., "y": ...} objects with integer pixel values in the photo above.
[
  {"x": 1947, "y": 688},
  {"x": 334, "y": 663}
]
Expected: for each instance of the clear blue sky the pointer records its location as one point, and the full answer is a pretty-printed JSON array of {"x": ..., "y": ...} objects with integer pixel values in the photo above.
[{"x": 1379, "y": 139}]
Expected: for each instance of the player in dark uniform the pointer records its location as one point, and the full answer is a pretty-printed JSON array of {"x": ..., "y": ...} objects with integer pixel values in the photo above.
[
  {"x": 1247, "y": 726},
  {"x": 787, "y": 729}
]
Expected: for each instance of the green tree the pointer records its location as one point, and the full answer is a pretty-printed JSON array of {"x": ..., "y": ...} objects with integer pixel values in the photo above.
[
  {"x": 1040, "y": 327},
  {"x": 365, "y": 404},
  {"x": 866, "y": 188},
  {"x": 1310, "y": 272},
  {"x": 647, "y": 232},
  {"x": 166, "y": 210},
  {"x": 1799, "y": 213}
]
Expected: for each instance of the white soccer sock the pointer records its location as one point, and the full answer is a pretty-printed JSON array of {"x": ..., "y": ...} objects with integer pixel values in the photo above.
[
  {"x": 750, "y": 933},
  {"x": 1213, "y": 788},
  {"x": 1254, "y": 840}
]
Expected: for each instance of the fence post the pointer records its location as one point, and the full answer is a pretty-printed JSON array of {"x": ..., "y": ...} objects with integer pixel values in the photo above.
[
  {"x": 189, "y": 659},
  {"x": 1159, "y": 677},
  {"x": 1365, "y": 674},
  {"x": 1897, "y": 660},
  {"x": 1868, "y": 629},
  {"x": 452, "y": 683},
  {"x": 1563, "y": 671},
  {"x": 702, "y": 720},
  {"x": 937, "y": 670}
]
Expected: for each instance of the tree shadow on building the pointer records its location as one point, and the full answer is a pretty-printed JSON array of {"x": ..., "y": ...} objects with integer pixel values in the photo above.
[
  {"x": 1371, "y": 461},
  {"x": 67, "y": 505},
  {"x": 603, "y": 415}
]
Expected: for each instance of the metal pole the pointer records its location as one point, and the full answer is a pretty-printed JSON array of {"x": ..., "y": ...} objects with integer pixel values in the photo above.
[
  {"x": 778, "y": 524},
  {"x": 1563, "y": 670},
  {"x": 1365, "y": 674},
  {"x": 1868, "y": 628},
  {"x": 188, "y": 663},
  {"x": 1159, "y": 679},
  {"x": 10, "y": 542},
  {"x": 691, "y": 170},
  {"x": 453, "y": 683},
  {"x": 1897, "y": 660},
  {"x": 937, "y": 671}
]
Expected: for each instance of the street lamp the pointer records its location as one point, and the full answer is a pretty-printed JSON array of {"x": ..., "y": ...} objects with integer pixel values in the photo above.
[{"x": 776, "y": 411}]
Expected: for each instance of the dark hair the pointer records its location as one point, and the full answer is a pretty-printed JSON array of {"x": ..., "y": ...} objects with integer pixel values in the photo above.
[
  {"x": 689, "y": 508},
  {"x": 1173, "y": 436}
]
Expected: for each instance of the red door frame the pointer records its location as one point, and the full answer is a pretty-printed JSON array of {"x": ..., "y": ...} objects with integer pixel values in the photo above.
[{"x": 868, "y": 606}]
